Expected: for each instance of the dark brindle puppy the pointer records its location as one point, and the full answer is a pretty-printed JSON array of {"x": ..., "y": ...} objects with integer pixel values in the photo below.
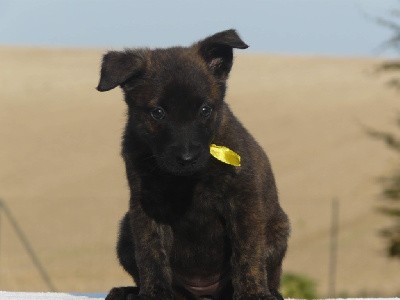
[{"x": 196, "y": 226}]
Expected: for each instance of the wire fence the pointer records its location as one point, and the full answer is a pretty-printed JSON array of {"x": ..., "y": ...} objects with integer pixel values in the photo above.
[{"x": 4, "y": 210}]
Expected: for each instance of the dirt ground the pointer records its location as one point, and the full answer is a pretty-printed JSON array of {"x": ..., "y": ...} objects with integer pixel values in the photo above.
[{"x": 62, "y": 177}]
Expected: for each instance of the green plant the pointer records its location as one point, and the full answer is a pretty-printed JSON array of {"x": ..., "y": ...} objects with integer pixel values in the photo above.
[
  {"x": 298, "y": 286},
  {"x": 391, "y": 184},
  {"x": 391, "y": 195}
]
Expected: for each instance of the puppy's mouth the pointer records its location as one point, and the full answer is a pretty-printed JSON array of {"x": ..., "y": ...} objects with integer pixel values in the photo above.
[
  {"x": 183, "y": 170},
  {"x": 179, "y": 168}
]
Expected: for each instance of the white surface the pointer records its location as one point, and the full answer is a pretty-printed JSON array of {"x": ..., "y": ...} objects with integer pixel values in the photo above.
[
  {"x": 62, "y": 296},
  {"x": 40, "y": 296}
]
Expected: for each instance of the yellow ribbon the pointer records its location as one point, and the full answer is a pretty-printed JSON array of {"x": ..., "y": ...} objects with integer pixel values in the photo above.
[{"x": 225, "y": 155}]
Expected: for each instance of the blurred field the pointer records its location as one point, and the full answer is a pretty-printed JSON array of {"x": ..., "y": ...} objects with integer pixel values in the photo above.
[{"x": 63, "y": 178}]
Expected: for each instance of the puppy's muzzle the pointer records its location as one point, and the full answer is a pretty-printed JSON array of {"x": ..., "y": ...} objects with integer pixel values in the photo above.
[{"x": 188, "y": 157}]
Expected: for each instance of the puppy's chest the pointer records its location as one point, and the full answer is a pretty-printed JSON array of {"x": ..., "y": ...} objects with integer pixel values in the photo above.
[
  {"x": 194, "y": 213},
  {"x": 199, "y": 225},
  {"x": 200, "y": 243},
  {"x": 182, "y": 202}
]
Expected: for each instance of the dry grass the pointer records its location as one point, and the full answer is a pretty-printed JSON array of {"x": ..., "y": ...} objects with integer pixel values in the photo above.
[{"x": 62, "y": 176}]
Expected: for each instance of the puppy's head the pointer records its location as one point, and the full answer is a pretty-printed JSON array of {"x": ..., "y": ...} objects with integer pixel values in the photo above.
[{"x": 174, "y": 97}]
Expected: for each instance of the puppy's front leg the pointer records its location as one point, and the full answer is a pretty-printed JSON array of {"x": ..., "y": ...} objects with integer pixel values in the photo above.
[
  {"x": 247, "y": 229},
  {"x": 151, "y": 257}
]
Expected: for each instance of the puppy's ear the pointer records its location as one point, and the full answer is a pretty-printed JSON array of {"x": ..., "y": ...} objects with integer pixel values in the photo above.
[
  {"x": 217, "y": 51},
  {"x": 119, "y": 66}
]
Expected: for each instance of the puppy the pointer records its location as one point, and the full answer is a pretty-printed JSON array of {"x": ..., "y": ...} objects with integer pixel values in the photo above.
[{"x": 198, "y": 226}]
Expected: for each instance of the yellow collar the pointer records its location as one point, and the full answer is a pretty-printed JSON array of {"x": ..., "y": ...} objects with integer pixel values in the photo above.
[{"x": 225, "y": 155}]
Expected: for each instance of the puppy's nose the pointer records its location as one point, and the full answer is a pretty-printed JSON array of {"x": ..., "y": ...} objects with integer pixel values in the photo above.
[{"x": 187, "y": 158}]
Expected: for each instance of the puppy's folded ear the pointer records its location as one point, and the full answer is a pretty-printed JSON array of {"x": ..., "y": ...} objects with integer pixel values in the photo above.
[
  {"x": 217, "y": 51},
  {"x": 119, "y": 66}
]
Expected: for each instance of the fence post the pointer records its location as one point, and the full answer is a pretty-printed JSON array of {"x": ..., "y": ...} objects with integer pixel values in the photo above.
[
  {"x": 334, "y": 232},
  {"x": 1, "y": 209}
]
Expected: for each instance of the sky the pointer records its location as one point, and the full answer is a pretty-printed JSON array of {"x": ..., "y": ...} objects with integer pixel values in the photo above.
[{"x": 306, "y": 27}]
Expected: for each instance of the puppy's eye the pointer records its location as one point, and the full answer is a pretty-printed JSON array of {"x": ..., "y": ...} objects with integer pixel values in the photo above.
[
  {"x": 205, "y": 111},
  {"x": 158, "y": 113}
]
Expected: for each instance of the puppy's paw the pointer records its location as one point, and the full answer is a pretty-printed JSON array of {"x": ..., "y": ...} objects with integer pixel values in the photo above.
[
  {"x": 144, "y": 297},
  {"x": 137, "y": 297},
  {"x": 122, "y": 293},
  {"x": 260, "y": 297},
  {"x": 277, "y": 295}
]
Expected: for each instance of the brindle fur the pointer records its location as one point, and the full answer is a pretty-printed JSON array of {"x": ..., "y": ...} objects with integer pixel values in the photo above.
[{"x": 190, "y": 215}]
